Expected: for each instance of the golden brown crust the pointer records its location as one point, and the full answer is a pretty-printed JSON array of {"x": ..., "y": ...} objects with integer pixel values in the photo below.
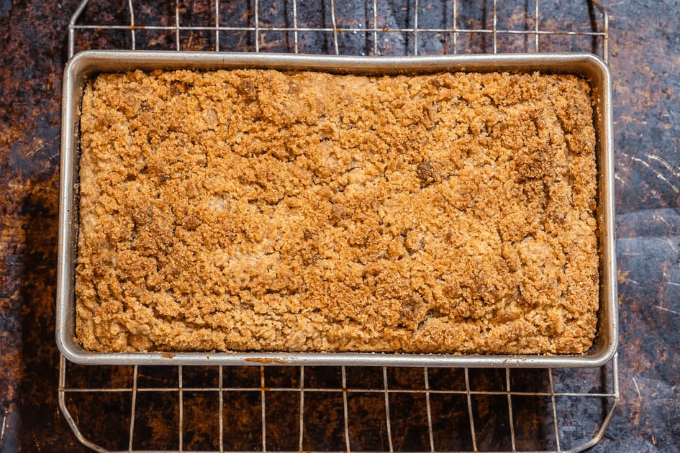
[{"x": 259, "y": 210}]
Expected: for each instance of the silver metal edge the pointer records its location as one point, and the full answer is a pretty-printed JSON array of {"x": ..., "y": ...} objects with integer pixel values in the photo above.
[
  {"x": 608, "y": 211},
  {"x": 65, "y": 308},
  {"x": 86, "y": 63}
]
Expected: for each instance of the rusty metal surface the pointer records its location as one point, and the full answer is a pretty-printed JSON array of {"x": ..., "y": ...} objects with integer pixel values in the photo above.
[{"x": 645, "y": 57}]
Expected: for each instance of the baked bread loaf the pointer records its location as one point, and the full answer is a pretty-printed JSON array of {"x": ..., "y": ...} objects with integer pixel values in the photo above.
[{"x": 262, "y": 210}]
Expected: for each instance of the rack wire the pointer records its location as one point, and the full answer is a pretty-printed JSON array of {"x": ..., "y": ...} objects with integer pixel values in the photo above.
[{"x": 434, "y": 410}]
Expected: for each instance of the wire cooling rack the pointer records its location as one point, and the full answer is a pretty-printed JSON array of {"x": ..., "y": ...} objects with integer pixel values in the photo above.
[
  {"x": 337, "y": 409},
  {"x": 414, "y": 24},
  {"x": 295, "y": 409}
]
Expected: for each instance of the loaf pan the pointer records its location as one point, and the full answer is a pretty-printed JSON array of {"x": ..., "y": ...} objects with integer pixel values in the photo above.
[{"x": 87, "y": 64}]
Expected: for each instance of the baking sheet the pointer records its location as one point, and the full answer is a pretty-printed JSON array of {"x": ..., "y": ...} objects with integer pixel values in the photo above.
[{"x": 87, "y": 64}]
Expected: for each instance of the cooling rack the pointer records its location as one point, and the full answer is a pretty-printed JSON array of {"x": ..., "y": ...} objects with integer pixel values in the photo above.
[{"x": 334, "y": 409}]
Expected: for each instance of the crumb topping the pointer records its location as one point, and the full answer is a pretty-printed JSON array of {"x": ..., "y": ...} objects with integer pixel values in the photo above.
[{"x": 261, "y": 210}]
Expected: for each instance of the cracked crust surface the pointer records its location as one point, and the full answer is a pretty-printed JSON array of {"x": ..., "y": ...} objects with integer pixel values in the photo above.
[{"x": 260, "y": 210}]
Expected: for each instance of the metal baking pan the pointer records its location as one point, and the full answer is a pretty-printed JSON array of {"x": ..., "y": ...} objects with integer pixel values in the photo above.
[{"x": 87, "y": 64}]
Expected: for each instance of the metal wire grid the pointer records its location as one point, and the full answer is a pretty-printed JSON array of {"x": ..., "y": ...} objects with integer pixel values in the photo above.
[
  {"x": 612, "y": 398},
  {"x": 455, "y": 32}
]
